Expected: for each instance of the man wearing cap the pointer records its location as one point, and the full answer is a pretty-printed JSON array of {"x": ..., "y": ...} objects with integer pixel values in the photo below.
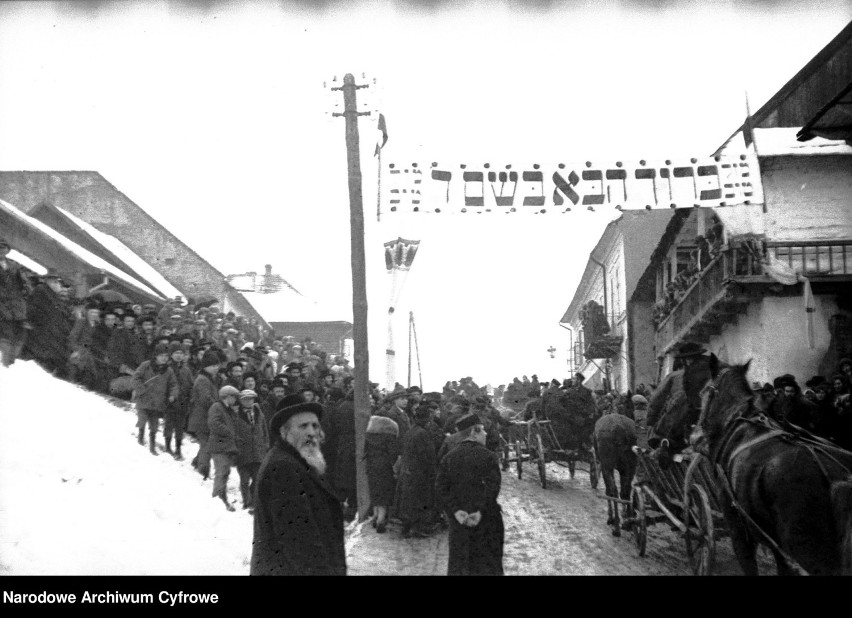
[
  {"x": 222, "y": 445},
  {"x": 47, "y": 342},
  {"x": 205, "y": 392},
  {"x": 176, "y": 411},
  {"x": 14, "y": 289},
  {"x": 467, "y": 487},
  {"x": 252, "y": 436},
  {"x": 154, "y": 388},
  {"x": 394, "y": 408},
  {"x": 298, "y": 519}
]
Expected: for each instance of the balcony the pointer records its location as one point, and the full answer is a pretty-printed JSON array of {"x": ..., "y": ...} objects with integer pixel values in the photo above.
[
  {"x": 724, "y": 288},
  {"x": 607, "y": 345}
]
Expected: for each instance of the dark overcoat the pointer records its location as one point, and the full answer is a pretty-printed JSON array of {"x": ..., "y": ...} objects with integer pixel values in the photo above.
[
  {"x": 341, "y": 423},
  {"x": 51, "y": 322},
  {"x": 417, "y": 476},
  {"x": 221, "y": 420},
  {"x": 381, "y": 450},
  {"x": 205, "y": 392},
  {"x": 252, "y": 435},
  {"x": 298, "y": 520},
  {"x": 469, "y": 480}
]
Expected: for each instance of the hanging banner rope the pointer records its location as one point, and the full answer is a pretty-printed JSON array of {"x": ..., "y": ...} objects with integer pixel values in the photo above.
[
  {"x": 560, "y": 187},
  {"x": 399, "y": 255}
]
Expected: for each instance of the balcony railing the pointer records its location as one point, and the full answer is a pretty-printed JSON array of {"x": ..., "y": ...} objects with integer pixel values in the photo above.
[{"x": 711, "y": 287}]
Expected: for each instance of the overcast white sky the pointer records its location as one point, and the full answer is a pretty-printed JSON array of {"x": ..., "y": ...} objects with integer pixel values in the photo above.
[{"x": 210, "y": 117}]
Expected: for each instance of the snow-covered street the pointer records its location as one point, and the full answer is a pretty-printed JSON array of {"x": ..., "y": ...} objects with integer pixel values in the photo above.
[{"x": 80, "y": 497}]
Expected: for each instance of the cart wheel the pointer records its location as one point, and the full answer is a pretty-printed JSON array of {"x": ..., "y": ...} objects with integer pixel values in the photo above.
[
  {"x": 639, "y": 527},
  {"x": 700, "y": 540},
  {"x": 593, "y": 469},
  {"x": 519, "y": 458},
  {"x": 542, "y": 471}
]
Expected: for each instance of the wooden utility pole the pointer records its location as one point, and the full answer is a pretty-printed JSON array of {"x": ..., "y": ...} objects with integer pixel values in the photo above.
[{"x": 359, "y": 288}]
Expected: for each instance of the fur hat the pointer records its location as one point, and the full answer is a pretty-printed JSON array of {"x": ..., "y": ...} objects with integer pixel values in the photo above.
[
  {"x": 468, "y": 421},
  {"x": 174, "y": 346},
  {"x": 286, "y": 413},
  {"x": 209, "y": 359},
  {"x": 278, "y": 383},
  {"x": 382, "y": 425}
]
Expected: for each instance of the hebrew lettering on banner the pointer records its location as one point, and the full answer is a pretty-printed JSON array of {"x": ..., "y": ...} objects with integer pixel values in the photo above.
[{"x": 562, "y": 187}]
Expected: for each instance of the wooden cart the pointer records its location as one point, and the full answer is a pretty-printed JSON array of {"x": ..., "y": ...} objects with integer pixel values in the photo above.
[
  {"x": 685, "y": 496},
  {"x": 535, "y": 442}
]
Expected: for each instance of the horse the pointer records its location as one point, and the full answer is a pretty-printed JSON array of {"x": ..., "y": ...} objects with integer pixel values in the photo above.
[
  {"x": 614, "y": 438},
  {"x": 786, "y": 484},
  {"x": 674, "y": 408}
]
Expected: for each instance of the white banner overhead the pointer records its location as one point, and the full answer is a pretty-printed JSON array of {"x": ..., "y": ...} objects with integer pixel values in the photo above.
[{"x": 561, "y": 187}]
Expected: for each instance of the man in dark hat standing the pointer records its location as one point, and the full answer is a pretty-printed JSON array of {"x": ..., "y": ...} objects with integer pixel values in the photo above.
[
  {"x": 47, "y": 342},
  {"x": 298, "y": 519},
  {"x": 467, "y": 487},
  {"x": 205, "y": 392}
]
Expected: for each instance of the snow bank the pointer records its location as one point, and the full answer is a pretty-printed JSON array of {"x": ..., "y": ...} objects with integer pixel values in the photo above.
[{"x": 79, "y": 496}]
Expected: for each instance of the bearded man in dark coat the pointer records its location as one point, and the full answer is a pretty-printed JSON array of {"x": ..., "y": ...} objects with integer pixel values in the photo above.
[
  {"x": 467, "y": 486},
  {"x": 298, "y": 520},
  {"x": 417, "y": 477},
  {"x": 51, "y": 321}
]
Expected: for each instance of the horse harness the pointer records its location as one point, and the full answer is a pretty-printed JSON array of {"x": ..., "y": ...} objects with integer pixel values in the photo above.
[{"x": 761, "y": 420}]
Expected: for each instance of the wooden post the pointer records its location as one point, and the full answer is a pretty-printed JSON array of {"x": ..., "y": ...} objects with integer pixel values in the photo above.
[{"x": 359, "y": 289}]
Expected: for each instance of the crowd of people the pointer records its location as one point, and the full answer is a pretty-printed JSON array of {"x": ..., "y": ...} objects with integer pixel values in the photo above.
[{"x": 282, "y": 413}]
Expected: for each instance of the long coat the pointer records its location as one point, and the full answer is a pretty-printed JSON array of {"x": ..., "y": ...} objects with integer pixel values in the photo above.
[
  {"x": 381, "y": 450},
  {"x": 13, "y": 291},
  {"x": 152, "y": 388},
  {"x": 221, "y": 420},
  {"x": 298, "y": 520},
  {"x": 51, "y": 322},
  {"x": 205, "y": 392},
  {"x": 469, "y": 480},
  {"x": 252, "y": 436},
  {"x": 126, "y": 347},
  {"x": 417, "y": 476},
  {"x": 341, "y": 427}
]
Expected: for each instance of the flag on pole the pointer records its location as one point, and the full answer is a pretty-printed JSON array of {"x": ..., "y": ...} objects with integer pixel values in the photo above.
[{"x": 384, "y": 139}]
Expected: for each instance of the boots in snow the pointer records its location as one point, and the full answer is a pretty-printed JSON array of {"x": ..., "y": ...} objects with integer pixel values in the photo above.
[
  {"x": 177, "y": 453},
  {"x": 153, "y": 447},
  {"x": 224, "y": 497},
  {"x": 169, "y": 445},
  {"x": 141, "y": 438}
]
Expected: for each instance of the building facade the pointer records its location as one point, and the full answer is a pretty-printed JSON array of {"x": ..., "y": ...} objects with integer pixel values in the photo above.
[{"x": 604, "y": 325}]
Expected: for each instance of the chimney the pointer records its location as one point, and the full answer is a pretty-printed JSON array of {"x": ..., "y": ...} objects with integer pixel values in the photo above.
[{"x": 268, "y": 268}]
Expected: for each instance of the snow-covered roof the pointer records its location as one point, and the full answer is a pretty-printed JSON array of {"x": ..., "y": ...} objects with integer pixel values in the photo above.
[
  {"x": 290, "y": 306},
  {"x": 23, "y": 260},
  {"x": 126, "y": 255},
  {"x": 782, "y": 141},
  {"x": 81, "y": 253}
]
